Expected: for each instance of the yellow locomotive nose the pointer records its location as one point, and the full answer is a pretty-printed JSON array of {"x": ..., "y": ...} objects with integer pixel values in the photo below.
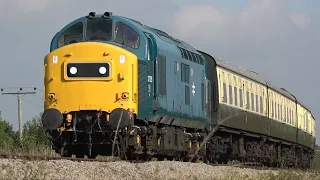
[{"x": 91, "y": 76}]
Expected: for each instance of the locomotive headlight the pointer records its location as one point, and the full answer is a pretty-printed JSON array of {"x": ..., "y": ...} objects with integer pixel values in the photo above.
[
  {"x": 88, "y": 70},
  {"x": 73, "y": 70},
  {"x": 102, "y": 70}
]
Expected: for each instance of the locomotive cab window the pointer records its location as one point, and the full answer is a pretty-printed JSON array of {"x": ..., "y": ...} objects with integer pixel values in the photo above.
[
  {"x": 126, "y": 35},
  {"x": 99, "y": 29},
  {"x": 73, "y": 34}
]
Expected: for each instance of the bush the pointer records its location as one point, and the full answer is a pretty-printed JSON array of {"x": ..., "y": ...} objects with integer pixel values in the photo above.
[
  {"x": 8, "y": 137},
  {"x": 34, "y": 135}
]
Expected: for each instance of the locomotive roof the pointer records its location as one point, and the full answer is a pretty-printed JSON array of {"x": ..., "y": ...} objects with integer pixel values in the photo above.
[{"x": 162, "y": 35}]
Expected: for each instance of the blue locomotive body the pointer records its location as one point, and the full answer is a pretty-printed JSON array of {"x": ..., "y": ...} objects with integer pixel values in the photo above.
[{"x": 172, "y": 79}]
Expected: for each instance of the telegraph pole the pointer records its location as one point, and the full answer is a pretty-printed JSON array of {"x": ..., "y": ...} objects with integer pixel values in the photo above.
[{"x": 19, "y": 96}]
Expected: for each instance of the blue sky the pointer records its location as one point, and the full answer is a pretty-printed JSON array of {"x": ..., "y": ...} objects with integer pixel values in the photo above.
[
  {"x": 309, "y": 6},
  {"x": 276, "y": 38}
]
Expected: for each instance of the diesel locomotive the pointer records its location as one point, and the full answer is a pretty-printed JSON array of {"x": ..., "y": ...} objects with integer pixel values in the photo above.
[{"x": 114, "y": 86}]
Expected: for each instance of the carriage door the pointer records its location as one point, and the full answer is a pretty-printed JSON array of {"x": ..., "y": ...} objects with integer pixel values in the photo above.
[{"x": 152, "y": 72}]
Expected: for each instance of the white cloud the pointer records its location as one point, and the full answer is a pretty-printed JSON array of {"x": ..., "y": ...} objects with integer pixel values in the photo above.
[
  {"x": 260, "y": 20},
  {"x": 266, "y": 37},
  {"x": 26, "y": 6},
  {"x": 300, "y": 20}
]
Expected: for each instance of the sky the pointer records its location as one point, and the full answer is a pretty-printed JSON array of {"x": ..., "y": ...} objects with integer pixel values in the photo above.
[{"x": 278, "y": 39}]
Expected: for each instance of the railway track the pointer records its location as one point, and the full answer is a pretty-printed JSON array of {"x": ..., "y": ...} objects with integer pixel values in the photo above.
[
  {"x": 48, "y": 158},
  {"x": 29, "y": 157}
]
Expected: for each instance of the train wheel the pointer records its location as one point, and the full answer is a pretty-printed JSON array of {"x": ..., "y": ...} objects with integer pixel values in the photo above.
[
  {"x": 92, "y": 156},
  {"x": 65, "y": 152},
  {"x": 66, "y": 155},
  {"x": 79, "y": 155}
]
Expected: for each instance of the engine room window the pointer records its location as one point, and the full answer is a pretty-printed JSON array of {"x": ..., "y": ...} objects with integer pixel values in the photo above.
[
  {"x": 125, "y": 35},
  {"x": 99, "y": 29},
  {"x": 185, "y": 73},
  {"x": 73, "y": 34}
]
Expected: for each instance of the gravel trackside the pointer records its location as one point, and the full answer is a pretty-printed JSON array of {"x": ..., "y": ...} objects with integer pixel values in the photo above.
[{"x": 65, "y": 169}]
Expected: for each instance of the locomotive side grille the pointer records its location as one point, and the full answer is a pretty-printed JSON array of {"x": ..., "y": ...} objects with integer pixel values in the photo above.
[{"x": 142, "y": 69}]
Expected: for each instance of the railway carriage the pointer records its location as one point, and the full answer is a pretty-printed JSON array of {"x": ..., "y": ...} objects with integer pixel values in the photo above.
[
  {"x": 256, "y": 113},
  {"x": 114, "y": 86}
]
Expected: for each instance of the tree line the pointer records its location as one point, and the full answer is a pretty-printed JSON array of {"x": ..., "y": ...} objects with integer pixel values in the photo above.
[{"x": 34, "y": 136}]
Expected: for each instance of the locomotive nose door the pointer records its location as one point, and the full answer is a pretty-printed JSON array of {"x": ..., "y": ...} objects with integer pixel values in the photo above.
[{"x": 152, "y": 71}]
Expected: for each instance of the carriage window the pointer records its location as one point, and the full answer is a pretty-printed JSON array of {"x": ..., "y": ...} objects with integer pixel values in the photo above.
[
  {"x": 293, "y": 120},
  {"x": 241, "y": 99},
  {"x": 279, "y": 112},
  {"x": 126, "y": 35},
  {"x": 272, "y": 109},
  {"x": 306, "y": 120},
  {"x": 99, "y": 29},
  {"x": 290, "y": 117},
  {"x": 235, "y": 96},
  {"x": 248, "y": 102},
  {"x": 286, "y": 111},
  {"x": 72, "y": 35},
  {"x": 252, "y": 102},
  {"x": 261, "y": 105},
  {"x": 257, "y": 103},
  {"x": 275, "y": 110},
  {"x": 224, "y": 92},
  {"x": 230, "y": 95}
]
